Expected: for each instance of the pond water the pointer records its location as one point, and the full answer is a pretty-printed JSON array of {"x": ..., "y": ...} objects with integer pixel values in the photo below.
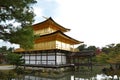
[
  {"x": 82, "y": 74},
  {"x": 71, "y": 76}
]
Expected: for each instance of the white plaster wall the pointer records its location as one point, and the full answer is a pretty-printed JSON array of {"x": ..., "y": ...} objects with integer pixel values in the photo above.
[
  {"x": 61, "y": 60},
  {"x": 38, "y": 58}
]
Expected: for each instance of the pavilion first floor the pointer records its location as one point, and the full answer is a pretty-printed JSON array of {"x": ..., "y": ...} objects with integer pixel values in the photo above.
[{"x": 55, "y": 58}]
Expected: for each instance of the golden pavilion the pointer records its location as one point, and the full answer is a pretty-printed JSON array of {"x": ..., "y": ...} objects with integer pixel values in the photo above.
[{"x": 52, "y": 47}]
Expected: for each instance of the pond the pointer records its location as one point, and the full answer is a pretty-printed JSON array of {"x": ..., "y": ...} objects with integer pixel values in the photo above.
[
  {"x": 82, "y": 74},
  {"x": 70, "y": 76}
]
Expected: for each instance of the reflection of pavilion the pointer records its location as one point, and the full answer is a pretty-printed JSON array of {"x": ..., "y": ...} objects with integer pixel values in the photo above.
[
  {"x": 52, "y": 48},
  {"x": 30, "y": 77},
  {"x": 64, "y": 76}
]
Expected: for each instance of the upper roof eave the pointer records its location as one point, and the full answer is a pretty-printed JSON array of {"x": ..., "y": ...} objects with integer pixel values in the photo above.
[
  {"x": 65, "y": 29},
  {"x": 76, "y": 41}
]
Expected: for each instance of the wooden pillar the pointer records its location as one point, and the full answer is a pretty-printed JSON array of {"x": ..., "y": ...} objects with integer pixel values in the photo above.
[
  {"x": 41, "y": 57},
  {"x": 55, "y": 57},
  {"x": 77, "y": 67},
  {"x": 35, "y": 57},
  {"x": 29, "y": 57},
  {"x": 78, "y": 63},
  {"x": 88, "y": 62},
  {"x": 24, "y": 59},
  {"x": 91, "y": 62},
  {"x": 61, "y": 57},
  {"x": 47, "y": 58},
  {"x": 73, "y": 60}
]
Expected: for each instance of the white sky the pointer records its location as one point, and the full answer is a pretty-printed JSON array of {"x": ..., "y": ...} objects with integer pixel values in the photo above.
[{"x": 95, "y": 22}]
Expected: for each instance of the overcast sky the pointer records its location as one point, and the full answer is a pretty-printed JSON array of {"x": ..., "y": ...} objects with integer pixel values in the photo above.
[{"x": 95, "y": 22}]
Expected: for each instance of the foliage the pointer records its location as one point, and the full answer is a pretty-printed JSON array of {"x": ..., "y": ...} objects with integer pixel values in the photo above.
[
  {"x": 15, "y": 59},
  {"x": 108, "y": 48},
  {"x": 7, "y": 75},
  {"x": 92, "y": 48},
  {"x": 5, "y": 50},
  {"x": 14, "y": 12},
  {"x": 19, "y": 71},
  {"x": 36, "y": 36},
  {"x": 25, "y": 37},
  {"x": 102, "y": 58},
  {"x": 84, "y": 47},
  {"x": 111, "y": 55},
  {"x": 115, "y": 59}
]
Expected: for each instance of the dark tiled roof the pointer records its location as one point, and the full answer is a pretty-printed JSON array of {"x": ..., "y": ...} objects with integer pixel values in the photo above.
[{"x": 82, "y": 54}]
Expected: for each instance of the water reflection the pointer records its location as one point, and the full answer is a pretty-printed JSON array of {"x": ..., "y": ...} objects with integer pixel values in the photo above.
[
  {"x": 41, "y": 78},
  {"x": 71, "y": 76}
]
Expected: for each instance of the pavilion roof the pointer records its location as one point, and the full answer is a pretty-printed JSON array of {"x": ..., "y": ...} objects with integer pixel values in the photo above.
[
  {"x": 50, "y": 23},
  {"x": 83, "y": 54},
  {"x": 58, "y": 35}
]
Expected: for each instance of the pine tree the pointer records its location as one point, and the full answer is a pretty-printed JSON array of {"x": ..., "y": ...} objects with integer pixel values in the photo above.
[{"x": 18, "y": 12}]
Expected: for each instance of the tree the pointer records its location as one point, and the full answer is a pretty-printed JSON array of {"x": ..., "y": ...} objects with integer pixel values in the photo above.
[
  {"x": 93, "y": 48},
  {"x": 15, "y": 59},
  {"x": 20, "y": 12},
  {"x": 102, "y": 58},
  {"x": 105, "y": 50},
  {"x": 111, "y": 55},
  {"x": 82, "y": 47},
  {"x": 4, "y": 50},
  {"x": 89, "y": 48}
]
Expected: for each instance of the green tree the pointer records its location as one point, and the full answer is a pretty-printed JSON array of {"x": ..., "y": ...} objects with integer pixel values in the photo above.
[
  {"x": 15, "y": 59},
  {"x": 20, "y": 12},
  {"x": 117, "y": 48},
  {"x": 108, "y": 48},
  {"x": 111, "y": 55},
  {"x": 4, "y": 50},
  {"x": 102, "y": 58},
  {"x": 93, "y": 48},
  {"x": 82, "y": 47},
  {"x": 115, "y": 57},
  {"x": 105, "y": 50}
]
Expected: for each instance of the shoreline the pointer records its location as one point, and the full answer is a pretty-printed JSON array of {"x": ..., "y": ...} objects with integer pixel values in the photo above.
[{"x": 7, "y": 67}]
